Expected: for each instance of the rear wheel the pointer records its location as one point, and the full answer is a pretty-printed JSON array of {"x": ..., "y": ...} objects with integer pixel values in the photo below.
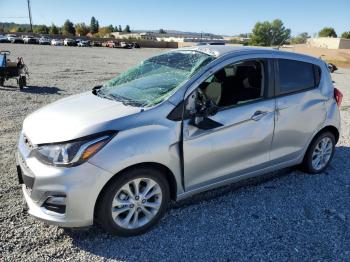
[
  {"x": 22, "y": 82},
  {"x": 133, "y": 202},
  {"x": 320, "y": 153}
]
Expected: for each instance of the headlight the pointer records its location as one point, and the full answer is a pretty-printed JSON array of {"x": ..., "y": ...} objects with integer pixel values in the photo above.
[{"x": 72, "y": 153}]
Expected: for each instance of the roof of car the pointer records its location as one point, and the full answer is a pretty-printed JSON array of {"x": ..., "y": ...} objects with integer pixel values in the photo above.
[{"x": 220, "y": 50}]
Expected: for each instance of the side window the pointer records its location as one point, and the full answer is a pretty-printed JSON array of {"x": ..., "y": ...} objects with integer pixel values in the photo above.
[
  {"x": 237, "y": 83},
  {"x": 296, "y": 76}
]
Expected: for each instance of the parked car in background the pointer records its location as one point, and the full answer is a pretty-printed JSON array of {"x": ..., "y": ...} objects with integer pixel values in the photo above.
[
  {"x": 77, "y": 40},
  {"x": 177, "y": 124},
  {"x": 14, "y": 38},
  {"x": 69, "y": 42},
  {"x": 84, "y": 43},
  {"x": 44, "y": 41},
  {"x": 135, "y": 45},
  {"x": 11, "y": 37},
  {"x": 3, "y": 39},
  {"x": 56, "y": 42},
  {"x": 95, "y": 43},
  {"x": 28, "y": 39},
  {"x": 210, "y": 43},
  {"x": 112, "y": 44},
  {"x": 125, "y": 45}
]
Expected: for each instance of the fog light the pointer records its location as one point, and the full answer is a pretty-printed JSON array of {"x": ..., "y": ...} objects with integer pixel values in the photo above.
[
  {"x": 58, "y": 200},
  {"x": 56, "y": 204}
]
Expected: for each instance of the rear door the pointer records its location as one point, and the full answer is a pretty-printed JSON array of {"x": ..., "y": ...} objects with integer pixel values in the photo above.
[{"x": 300, "y": 108}]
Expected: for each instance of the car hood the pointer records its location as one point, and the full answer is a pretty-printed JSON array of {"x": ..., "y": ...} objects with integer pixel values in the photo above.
[{"x": 74, "y": 117}]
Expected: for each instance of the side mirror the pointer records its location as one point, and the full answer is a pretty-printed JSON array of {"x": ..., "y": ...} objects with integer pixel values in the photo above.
[
  {"x": 200, "y": 107},
  {"x": 211, "y": 108},
  {"x": 207, "y": 108}
]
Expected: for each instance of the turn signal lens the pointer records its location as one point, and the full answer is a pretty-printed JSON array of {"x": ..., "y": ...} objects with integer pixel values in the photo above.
[{"x": 93, "y": 149}]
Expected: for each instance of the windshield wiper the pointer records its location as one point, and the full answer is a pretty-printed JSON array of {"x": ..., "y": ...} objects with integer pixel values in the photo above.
[
  {"x": 101, "y": 94},
  {"x": 114, "y": 97},
  {"x": 127, "y": 101}
]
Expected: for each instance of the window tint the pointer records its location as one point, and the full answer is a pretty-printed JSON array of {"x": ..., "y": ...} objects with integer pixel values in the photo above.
[
  {"x": 237, "y": 83},
  {"x": 295, "y": 76},
  {"x": 317, "y": 71}
]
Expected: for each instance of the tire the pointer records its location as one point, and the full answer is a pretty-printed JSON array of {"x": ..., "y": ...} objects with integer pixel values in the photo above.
[
  {"x": 129, "y": 206},
  {"x": 22, "y": 82},
  {"x": 2, "y": 81},
  {"x": 325, "y": 157}
]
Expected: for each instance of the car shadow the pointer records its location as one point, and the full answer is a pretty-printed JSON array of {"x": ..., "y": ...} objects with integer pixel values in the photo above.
[
  {"x": 43, "y": 90},
  {"x": 91, "y": 238},
  {"x": 95, "y": 241},
  {"x": 34, "y": 89}
]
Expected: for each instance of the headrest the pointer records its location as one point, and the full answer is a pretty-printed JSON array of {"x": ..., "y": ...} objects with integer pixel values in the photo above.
[{"x": 220, "y": 75}]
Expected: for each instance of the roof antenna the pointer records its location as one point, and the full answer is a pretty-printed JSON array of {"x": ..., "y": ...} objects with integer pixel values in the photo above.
[{"x": 282, "y": 42}]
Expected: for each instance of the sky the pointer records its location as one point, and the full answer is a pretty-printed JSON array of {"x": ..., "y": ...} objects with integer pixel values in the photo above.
[{"x": 226, "y": 17}]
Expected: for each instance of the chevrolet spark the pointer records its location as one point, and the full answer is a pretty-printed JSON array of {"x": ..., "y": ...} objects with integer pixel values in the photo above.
[{"x": 179, "y": 123}]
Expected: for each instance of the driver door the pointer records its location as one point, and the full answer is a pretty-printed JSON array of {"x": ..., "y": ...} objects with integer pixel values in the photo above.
[{"x": 240, "y": 140}]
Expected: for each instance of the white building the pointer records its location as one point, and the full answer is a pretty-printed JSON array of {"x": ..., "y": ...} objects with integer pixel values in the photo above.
[{"x": 329, "y": 42}]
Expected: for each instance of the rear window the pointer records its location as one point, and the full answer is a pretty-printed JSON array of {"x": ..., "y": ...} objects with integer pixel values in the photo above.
[{"x": 296, "y": 76}]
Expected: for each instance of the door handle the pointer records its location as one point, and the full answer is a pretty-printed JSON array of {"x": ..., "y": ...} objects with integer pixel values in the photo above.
[{"x": 258, "y": 115}]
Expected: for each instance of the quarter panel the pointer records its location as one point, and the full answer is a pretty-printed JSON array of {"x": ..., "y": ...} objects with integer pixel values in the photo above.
[
  {"x": 150, "y": 143},
  {"x": 297, "y": 118}
]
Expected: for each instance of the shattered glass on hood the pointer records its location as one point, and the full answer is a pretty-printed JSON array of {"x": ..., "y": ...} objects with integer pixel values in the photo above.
[{"x": 155, "y": 79}]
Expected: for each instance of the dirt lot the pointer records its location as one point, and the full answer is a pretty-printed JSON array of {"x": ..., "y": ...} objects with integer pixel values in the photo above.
[
  {"x": 284, "y": 216},
  {"x": 340, "y": 57}
]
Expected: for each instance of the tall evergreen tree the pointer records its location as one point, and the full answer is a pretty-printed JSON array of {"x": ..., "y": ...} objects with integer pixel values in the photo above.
[
  {"x": 111, "y": 28},
  {"x": 127, "y": 29},
  {"x": 68, "y": 28},
  {"x": 54, "y": 30},
  {"x": 94, "y": 26}
]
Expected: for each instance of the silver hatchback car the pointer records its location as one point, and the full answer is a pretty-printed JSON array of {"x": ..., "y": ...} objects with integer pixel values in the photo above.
[{"x": 179, "y": 123}]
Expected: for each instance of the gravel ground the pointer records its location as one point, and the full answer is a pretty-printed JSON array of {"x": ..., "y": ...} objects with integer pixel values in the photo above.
[{"x": 287, "y": 215}]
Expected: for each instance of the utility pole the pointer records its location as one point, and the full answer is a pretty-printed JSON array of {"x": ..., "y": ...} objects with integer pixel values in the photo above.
[{"x": 30, "y": 16}]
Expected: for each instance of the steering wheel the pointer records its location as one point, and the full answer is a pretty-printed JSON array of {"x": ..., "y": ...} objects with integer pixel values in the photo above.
[
  {"x": 204, "y": 105},
  {"x": 5, "y": 52}
]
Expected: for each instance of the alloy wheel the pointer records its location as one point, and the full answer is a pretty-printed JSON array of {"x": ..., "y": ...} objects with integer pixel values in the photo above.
[
  {"x": 322, "y": 153},
  {"x": 136, "y": 203}
]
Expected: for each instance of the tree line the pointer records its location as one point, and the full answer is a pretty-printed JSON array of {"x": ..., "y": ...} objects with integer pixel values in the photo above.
[
  {"x": 275, "y": 33},
  {"x": 263, "y": 34},
  {"x": 69, "y": 28}
]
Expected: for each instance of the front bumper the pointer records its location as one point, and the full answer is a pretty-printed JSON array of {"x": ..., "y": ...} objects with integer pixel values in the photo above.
[{"x": 80, "y": 185}]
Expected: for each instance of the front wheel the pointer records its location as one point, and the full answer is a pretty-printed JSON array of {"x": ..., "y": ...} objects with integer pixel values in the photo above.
[
  {"x": 133, "y": 202},
  {"x": 22, "y": 82},
  {"x": 320, "y": 153}
]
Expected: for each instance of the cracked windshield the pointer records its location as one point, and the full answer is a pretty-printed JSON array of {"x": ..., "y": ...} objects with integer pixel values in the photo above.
[{"x": 155, "y": 79}]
